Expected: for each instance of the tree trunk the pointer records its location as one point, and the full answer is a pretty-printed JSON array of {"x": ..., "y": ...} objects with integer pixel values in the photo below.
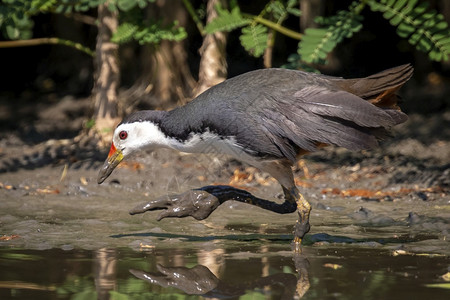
[
  {"x": 213, "y": 64},
  {"x": 310, "y": 9},
  {"x": 107, "y": 74},
  {"x": 166, "y": 79},
  {"x": 268, "y": 53}
]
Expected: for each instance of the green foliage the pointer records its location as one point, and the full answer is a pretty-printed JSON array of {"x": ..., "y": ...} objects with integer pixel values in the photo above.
[
  {"x": 254, "y": 37},
  {"x": 151, "y": 33},
  {"x": 425, "y": 29},
  {"x": 294, "y": 62},
  {"x": 89, "y": 124},
  {"x": 135, "y": 26},
  {"x": 318, "y": 42},
  {"x": 127, "y": 5},
  {"x": 15, "y": 15},
  {"x": 16, "y": 23},
  {"x": 280, "y": 10},
  {"x": 227, "y": 20}
]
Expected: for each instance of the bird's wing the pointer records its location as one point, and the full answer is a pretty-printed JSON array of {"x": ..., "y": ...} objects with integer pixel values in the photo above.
[{"x": 317, "y": 115}]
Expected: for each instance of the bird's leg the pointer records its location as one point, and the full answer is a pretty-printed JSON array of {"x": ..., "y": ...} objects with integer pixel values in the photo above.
[
  {"x": 200, "y": 203},
  {"x": 303, "y": 208}
]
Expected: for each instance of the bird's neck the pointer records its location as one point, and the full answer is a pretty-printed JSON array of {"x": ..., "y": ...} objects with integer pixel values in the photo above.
[
  {"x": 155, "y": 129},
  {"x": 159, "y": 129}
]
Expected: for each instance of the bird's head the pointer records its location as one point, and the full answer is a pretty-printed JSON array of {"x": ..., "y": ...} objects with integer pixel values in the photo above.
[{"x": 134, "y": 133}]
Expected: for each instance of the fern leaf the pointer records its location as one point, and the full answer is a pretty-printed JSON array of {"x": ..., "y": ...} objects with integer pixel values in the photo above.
[
  {"x": 124, "y": 33},
  {"x": 277, "y": 9},
  {"x": 318, "y": 42},
  {"x": 294, "y": 62},
  {"x": 424, "y": 28},
  {"x": 226, "y": 20},
  {"x": 148, "y": 33},
  {"x": 254, "y": 39},
  {"x": 155, "y": 33}
]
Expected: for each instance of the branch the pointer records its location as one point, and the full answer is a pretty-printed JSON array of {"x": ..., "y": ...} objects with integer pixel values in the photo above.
[
  {"x": 43, "y": 41},
  {"x": 194, "y": 17},
  {"x": 275, "y": 26},
  {"x": 82, "y": 18}
]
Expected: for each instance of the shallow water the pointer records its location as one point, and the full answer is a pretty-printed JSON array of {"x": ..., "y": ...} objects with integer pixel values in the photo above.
[
  {"x": 75, "y": 240},
  {"x": 253, "y": 269}
]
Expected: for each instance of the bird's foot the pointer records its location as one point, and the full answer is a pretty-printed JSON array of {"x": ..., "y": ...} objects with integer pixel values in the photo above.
[
  {"x": 300, "y": 230},
  {"x": 302, "y": 226},
  {"x": 195, "y": 203}
]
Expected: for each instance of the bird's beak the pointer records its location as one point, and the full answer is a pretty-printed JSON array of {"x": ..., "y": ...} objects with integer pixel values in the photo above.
[{"x": 115, "y": 156}]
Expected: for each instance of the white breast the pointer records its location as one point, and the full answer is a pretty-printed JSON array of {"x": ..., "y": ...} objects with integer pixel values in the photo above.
[{"x": 208, "y": 142}]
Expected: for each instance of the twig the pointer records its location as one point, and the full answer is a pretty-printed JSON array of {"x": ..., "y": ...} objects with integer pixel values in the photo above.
[
  {"x": 194, "y": 17},
  {"x": 281, "y": 29},
  {"x": 43, "y": 41}
]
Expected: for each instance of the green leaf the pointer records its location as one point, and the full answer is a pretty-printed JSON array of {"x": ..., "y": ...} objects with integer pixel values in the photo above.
[
  {"x": 318, "y": 42},
  {"x": 254, "y": 39},
  {"x": 277, "y": 9},
  {"x": 125, "y": 33},
  {"x": 423, "y": 27},
  {"x": 152, "y": 33},
  {"x": 226, "y": 20},
  {"x": 126, "y": 5},
  {"x": 294, "y": 11}
]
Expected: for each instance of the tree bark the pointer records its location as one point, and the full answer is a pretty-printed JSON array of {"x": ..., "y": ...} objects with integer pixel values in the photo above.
[
  {"x": 107, "y": 73},
  {"x": 268, "y": 53},
  {"x": 213, "y": 64},
  {"x": 310, "y": 9},
  {"x": 165, "y": 79}
]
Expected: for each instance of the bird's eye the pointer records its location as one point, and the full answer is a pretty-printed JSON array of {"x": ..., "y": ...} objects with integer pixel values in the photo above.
[{"x": 123, "y": 135}]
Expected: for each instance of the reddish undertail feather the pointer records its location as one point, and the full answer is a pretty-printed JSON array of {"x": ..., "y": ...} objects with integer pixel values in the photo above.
[
  {"x": 387, "y": 99},
  {"x": 379, "y": 89}
]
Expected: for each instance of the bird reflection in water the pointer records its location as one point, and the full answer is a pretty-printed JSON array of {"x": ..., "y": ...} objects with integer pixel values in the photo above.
[{"x": 199, "y": 280}]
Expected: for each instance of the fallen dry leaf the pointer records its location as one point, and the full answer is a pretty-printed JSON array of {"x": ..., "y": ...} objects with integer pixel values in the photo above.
[
  {"x": 64, "y": 173},
  {"x": 8, "y": 237},
  {"x": 6, "y": 186},
  {"x": 263, "y": 180},
  {"x": 304, "y": 167},
  {"x": 302, "y": 183},
  {"x": 48, "y": 190},
  {"x": 83, "y": 180},
  {"x": 241, "y": 177},
  {"x": 131, "y": 165}
]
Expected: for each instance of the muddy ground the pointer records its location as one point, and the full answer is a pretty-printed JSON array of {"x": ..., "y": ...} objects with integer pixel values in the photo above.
[
  {"x": 396, "y": 196},
  {"x": 380, "y": 219}
]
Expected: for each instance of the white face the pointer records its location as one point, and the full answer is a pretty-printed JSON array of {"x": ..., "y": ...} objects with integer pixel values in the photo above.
[{"x": 130, "y": 137}]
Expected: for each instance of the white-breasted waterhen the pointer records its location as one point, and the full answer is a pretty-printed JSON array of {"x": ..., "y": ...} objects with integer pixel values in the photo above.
[{"x": 265, "y": 118}]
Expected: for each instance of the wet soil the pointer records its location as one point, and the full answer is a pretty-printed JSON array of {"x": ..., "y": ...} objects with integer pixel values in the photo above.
[{"x": 382, "y": 214}]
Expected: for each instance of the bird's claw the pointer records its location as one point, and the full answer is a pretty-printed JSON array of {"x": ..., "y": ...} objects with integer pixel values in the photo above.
[{"x": 195, "y": 203}]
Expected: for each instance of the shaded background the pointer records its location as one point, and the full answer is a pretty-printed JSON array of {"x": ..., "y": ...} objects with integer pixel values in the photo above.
[{"x": 35, "y": 78}]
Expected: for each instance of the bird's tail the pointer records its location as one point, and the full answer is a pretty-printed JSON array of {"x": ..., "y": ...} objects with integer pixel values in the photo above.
[{"x": 380, "y": 88}]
